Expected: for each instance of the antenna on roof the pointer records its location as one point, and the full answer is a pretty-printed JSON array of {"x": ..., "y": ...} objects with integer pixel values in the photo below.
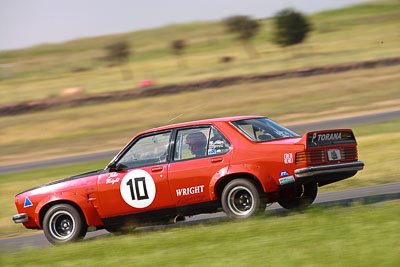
[
  {"x": 174, "y": 118},
  {"x": 187, "y": 111}
]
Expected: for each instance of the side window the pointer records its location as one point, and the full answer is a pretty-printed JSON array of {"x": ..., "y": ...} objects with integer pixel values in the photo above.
[
  {"x": 191, "y": 143},
  {"x": 147, "y": 151},
  {"x": 218, "y": 144}
]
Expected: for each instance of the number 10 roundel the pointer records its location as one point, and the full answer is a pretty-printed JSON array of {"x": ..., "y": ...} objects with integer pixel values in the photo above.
[{"x": 138, "y": 189}]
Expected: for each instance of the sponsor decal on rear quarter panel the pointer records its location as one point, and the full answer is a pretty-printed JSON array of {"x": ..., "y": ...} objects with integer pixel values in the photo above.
[
  {"x": 288, "y": 158},
  {"x": 284, "y": 173},
  {"x": 286, "y": 180}
]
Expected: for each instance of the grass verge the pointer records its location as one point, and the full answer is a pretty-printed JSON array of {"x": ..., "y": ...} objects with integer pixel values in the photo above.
[{"x": 340, "y": 236}]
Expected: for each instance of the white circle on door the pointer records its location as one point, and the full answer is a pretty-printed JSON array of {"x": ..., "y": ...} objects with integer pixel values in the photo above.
[{"x": 138, "y": 189}]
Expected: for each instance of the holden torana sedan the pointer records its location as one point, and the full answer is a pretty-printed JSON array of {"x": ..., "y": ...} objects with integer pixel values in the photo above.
[{"x": 236, "y": 164}]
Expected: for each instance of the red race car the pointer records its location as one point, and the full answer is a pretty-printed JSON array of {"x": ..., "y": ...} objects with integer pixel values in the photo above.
[{"x": 238, "y": 164}]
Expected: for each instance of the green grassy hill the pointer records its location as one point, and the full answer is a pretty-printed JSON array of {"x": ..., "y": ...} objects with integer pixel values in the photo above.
[{"x": 361, "y": 32}]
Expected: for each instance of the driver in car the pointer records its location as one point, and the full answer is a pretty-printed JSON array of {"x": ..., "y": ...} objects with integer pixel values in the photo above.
[{"x": 197, "y": 143}]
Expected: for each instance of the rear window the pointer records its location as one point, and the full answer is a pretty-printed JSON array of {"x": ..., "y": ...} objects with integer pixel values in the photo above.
[{"x": 263, "y": 129}]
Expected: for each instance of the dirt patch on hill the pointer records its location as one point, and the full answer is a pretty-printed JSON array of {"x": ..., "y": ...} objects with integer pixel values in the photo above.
[{"x": 43, "y": 104}]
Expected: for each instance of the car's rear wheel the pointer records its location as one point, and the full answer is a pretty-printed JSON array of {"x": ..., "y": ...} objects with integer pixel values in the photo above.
[
  {"x": 299, "y": 197},
  {"x": 240, "y": 199},
  {"x": 62, "y": 223}
]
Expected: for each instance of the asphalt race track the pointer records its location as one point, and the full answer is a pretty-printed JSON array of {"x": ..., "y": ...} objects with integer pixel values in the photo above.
[
  {"x": 300, "y": 128},
  {"x": 366, "y": 195}
]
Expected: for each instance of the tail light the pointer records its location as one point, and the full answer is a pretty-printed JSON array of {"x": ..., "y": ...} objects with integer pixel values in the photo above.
[
  {"x": 318, "y": 156},
  {"x": 349, "y": 153},
  {"x": 314, "y": 156}
]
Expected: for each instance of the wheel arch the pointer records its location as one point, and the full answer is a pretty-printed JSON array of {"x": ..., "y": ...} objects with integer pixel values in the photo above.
[
  {"x": 47, "y": 206},
  {"x": 78, "y": 201},
  {"x": 223, "y": 181}
]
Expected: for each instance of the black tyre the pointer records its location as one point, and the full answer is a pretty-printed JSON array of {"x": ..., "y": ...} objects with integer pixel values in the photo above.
[
  {"x": 240, "y": 199},
  {"x": 299, "y": 197},
  {"x": 63, "y": 223}
]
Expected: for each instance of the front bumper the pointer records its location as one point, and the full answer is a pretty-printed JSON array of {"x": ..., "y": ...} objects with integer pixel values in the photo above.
[
  {"x": 20, "y": 218},
  {"x": 328, "y": 169}
]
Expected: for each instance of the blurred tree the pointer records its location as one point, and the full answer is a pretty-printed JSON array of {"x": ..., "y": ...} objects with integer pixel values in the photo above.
[
  {"x": 291, "y": 27},
  {"x": 178, "y": 47},
  {"x": 245, "y": 28},
  {"x": 119, "y": 53}
]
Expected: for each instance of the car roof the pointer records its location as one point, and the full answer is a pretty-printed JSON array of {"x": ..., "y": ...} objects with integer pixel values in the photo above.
[{"x": 199, "y": 122}]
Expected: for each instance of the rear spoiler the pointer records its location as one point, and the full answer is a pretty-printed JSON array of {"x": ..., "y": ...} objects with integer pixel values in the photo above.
[{"x": 329, "y": 137}]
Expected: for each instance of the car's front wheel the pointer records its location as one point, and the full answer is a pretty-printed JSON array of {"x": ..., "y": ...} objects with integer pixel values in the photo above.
[
  {"x": 62, "y": 223},
  {"x": 240, "y": 199},
  {"x": 298, "y": 197}
]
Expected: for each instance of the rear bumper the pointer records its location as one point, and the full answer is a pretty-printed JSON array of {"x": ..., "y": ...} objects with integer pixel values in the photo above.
[
  {"x": 329, "y": 169},
  {"x": 325, "y": 174},
  {"x": 20, "y": 218}
]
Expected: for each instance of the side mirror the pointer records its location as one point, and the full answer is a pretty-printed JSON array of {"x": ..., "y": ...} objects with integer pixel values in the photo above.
[{"x": 112, "y": 166}]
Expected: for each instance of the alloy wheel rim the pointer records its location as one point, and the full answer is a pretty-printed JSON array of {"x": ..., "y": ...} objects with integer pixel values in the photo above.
[
  {"x": 241, "y": 201},
  {"x": 62, "y": 225}
]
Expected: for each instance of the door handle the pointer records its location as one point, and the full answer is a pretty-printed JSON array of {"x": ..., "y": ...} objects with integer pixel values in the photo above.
[
  {"x": 215, "y": 160},
  {"x": 157, "y": 169}
]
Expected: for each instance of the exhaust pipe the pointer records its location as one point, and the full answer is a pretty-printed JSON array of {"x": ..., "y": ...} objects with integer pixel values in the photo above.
[{"x": 179, "y": 218}]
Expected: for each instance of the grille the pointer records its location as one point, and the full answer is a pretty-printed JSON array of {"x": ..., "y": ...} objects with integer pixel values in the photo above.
[{"x": 313, "y": 156}]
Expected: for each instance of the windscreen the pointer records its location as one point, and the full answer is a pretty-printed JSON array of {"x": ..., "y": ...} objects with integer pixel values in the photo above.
[{"x": 263, "y": 129}]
